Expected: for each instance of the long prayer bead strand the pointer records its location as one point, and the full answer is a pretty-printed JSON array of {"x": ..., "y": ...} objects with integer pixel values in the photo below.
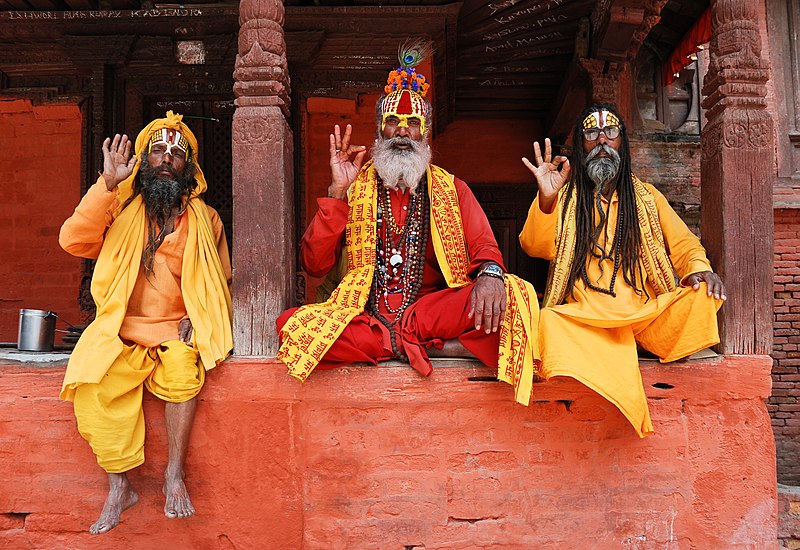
[
  {"x": 615, "y": 250},
  {"x": 409, "y": 241}
]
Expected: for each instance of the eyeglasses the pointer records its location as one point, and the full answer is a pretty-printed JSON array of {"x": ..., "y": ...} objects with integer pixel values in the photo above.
[{"x": 591, "y": 134}]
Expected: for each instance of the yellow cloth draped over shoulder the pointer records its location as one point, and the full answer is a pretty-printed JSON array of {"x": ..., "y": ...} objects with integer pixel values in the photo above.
[
  {"x": 203, "y": 281},
  {"x": 313, "y": 328},
  {"x": 658, "y": 269}
]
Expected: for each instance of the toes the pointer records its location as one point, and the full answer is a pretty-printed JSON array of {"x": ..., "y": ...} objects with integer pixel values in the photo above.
[
  {"x": 101, "y": 527},
  {"x": 179, "y": 508}
]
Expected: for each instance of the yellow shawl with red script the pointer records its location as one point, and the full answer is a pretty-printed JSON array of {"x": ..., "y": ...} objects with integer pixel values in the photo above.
[
  {"x": 657, "y": 267},
  {"x": 310, "y": 332}
]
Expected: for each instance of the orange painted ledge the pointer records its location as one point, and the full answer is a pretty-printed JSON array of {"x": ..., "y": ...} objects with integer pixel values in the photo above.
[{"x": 378, "y": 457}]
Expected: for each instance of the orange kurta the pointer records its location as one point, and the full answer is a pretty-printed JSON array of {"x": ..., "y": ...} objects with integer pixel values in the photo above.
[
  {"x": 156, "y": 305},
  {"x": 592, "y": 336}
]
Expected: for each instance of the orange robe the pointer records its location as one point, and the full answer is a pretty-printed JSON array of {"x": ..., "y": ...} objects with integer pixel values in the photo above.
[
  {"x": 156, "y": 305},
  {"x": 109, "y": 414},
  {"x": 592, "y": 336}
]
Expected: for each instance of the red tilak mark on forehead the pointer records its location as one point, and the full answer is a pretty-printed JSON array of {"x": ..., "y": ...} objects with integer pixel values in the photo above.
[
  {"x": 404, "y": 107},
  {"x": 602, "y": 121}
]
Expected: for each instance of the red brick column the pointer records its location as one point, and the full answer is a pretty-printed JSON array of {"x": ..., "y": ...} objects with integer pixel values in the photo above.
[
  {"x": 784, "y": 405},
  {"x": 737, "y": 173},
  {"x": 263, "y": 212}
]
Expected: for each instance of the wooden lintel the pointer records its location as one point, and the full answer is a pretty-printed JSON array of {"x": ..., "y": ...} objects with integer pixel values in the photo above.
[{"x": 616, "y": 36}]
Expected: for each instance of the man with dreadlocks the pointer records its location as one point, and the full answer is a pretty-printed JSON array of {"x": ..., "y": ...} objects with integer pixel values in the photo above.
[
  {"x": 615, "y": 246},
  {"x": 161, "y": 286},
  {"x": 423, "y": 264}
]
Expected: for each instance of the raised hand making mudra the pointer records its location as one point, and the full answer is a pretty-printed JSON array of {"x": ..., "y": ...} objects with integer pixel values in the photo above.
[
  {"x": 161, "y": 285},
  {"x": 420, "y": 272},
  {"x": 624, "y": 268}
]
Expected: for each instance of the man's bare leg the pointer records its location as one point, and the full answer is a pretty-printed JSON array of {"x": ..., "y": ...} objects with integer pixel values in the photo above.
[
  {"x": 121, "y": 496},
  {"x": 180, "y": 417}
]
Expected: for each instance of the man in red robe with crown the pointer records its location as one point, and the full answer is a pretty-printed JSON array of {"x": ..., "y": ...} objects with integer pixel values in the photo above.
[{"x": 423, "y": 266}]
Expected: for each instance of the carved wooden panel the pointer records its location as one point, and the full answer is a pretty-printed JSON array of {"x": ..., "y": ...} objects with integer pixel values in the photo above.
[
  {"x": 784, "y": 24},
  {"x": 506, "y": 206}
]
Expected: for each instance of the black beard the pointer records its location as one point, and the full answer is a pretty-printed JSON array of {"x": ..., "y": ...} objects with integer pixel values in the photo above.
[{"x": 161, "y": 193}]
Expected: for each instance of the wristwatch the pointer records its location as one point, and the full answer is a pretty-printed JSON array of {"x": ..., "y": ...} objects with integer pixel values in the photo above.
[{"x": 491, "y": 269}]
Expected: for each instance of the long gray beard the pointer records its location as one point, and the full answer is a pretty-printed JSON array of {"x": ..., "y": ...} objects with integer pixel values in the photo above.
[
  {"x": 602, "y": 171},
  {"x": 401, "y": 168}
]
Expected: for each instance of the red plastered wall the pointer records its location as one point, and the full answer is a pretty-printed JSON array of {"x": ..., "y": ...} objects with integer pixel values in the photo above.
[
  {"x": 40, "y": 186},
  {"x": 383, "y": 459}
]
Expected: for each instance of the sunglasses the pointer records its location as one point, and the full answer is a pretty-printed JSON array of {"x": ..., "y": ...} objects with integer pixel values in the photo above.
[{"x": 591, "y": 134}]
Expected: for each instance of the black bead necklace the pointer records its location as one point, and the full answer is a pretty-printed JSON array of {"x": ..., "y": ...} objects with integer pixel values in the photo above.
[{"x": 615, "y": 250}]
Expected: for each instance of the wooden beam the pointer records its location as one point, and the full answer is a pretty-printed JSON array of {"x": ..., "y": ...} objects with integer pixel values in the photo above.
[
  {"x": 620, "y": 26},
  {"x": 263, "y": 185},
  {"x": 76, "y": 5}
]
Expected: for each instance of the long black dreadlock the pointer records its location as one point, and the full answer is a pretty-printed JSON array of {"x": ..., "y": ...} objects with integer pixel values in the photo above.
[{"x": 627, "y": 238}]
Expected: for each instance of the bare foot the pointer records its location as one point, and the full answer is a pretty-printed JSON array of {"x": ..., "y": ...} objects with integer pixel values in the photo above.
[
  {"x": 178, "y": 504},
  {"x": 121, "y": 496}
]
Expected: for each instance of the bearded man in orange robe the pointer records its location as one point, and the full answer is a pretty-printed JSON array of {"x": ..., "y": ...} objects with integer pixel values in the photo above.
[
  {"x": 624, "y": 268},
  {"x": 161, "y": 285}
]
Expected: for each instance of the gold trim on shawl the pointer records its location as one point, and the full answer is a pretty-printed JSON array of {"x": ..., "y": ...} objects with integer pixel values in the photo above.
[
  {"x": 312, "y": 329},
  {"x": 653, "y": 256}
]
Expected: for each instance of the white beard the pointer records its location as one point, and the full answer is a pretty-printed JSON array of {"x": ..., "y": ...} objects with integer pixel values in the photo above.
[{"x": 401, "y": 168}]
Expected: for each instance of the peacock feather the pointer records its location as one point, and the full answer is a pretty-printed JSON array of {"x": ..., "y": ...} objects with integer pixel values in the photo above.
[
  {"x": 414, "y": 51},
  {"x": 411, "y": 53}
]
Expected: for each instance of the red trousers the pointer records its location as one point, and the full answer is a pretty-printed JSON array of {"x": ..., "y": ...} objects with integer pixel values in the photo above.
[{"x": 428, "y": 322}]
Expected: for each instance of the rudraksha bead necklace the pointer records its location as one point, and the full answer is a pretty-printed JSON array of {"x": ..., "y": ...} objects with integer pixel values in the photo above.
[
  {"x": 615, "y": 251},
  {"x": 400, "y": 258}
]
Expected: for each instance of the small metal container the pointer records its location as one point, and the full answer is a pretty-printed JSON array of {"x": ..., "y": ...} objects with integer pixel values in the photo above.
[{"x": 37, "y": 330}]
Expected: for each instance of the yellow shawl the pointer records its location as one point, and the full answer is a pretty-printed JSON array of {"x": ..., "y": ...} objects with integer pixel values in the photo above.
[
  {"x": 654, "y": 258},
  {"x": 310, "y": 332},
  {"x": 203, "y": 282}
]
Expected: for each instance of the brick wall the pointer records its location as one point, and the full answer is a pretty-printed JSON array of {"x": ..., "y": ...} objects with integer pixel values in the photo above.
[
  {"x": 784, "y": 405},
  {"x": 788, "y": 517},
  {"x": 672, "y": 164},
  {"x": 40, "y": 186}
]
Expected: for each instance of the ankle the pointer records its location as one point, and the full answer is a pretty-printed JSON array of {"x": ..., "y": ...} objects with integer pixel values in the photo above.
[{"x": 174, "y": 473}]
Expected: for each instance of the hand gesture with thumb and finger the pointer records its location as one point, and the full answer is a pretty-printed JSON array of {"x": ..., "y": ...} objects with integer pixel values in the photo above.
[
  {"x": 117, "y": 161},
  {"x": 343, "y": 169},
  {"x": 551, "y": 173}
]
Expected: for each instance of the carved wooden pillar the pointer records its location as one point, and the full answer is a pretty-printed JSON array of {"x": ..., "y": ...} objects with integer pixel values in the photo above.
[
  {"x": 263, "y": 210},
  {"x": 610, "y": 83},
  {"x": 737, "y": 176}
]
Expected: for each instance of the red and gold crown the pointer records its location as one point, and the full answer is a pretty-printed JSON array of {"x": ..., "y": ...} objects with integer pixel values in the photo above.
[{"x": 405, "y": 87}]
